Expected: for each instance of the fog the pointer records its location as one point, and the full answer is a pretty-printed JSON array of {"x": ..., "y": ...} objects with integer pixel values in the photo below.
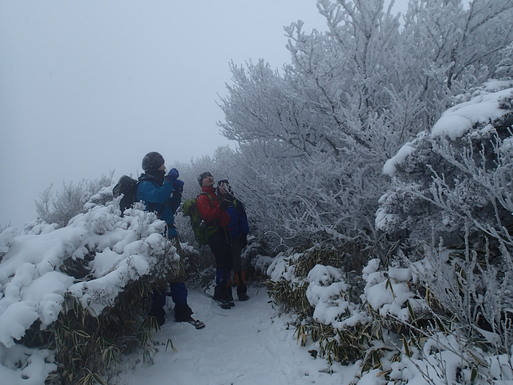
[{"x": 89, "y": 87}]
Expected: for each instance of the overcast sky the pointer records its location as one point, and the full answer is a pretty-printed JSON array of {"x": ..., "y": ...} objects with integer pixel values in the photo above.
[{"x": 87, "y": 87}]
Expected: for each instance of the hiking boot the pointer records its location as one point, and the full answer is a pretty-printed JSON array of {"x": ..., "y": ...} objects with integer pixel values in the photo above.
[
  {"x": 220, "y": 296},
  {"x": 224, "y": 305},
  {"x": 243, "y": 297},
  {"x": 241, "y": 293},
  {"x": 228, "y": 296},
  {"x": 196, "y": 323}
]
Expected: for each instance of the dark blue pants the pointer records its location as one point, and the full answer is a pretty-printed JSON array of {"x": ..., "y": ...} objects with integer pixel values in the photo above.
[{"x": 179, "y": 296}]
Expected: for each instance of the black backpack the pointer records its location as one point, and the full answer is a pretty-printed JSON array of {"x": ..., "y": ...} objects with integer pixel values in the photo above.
[{"x": 127, "y": 187}]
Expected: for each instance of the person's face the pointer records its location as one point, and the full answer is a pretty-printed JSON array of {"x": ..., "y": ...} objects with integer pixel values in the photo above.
[
  {"x": 208, "y": 181},
  {"x": 162, "y": 168}
]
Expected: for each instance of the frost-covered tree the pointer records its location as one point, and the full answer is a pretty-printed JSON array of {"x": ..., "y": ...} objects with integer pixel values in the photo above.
[
  {"x": 313, "y": 139},
  {"x": 306, "y": 143},
  {"x": 505, "y": 67},
  {"x": 451, "y": 190},
  {"x": 450, "y": 47},
  {"x": 458, "y": 176}
]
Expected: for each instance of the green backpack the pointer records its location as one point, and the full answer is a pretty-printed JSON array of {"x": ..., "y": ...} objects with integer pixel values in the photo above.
[{"x": 202, "y": 231}]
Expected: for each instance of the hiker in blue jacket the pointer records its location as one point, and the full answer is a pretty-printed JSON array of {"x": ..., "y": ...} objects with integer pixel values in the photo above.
[
  {"x": 162, "y": 194},
  {"x": 238, "y": 230}
]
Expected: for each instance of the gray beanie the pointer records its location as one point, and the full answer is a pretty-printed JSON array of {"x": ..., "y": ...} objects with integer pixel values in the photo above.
[{"x": 152, "y": 161}]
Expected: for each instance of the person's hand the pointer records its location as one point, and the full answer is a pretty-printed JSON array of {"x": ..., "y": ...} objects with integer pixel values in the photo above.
[
  {"x": 173, "y": 174},
  {"x": 243, "y": 241},
  {"x": 178, "y": 185}
]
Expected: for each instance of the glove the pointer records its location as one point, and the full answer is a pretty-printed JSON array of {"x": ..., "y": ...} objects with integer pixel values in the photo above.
[
  {"x": 178, "y": 185},
  {"x": 173, "y": 174},
  {"x": 243, "y": 241}
]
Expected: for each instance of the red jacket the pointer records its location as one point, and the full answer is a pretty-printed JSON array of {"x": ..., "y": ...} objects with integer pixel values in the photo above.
[{"x": 209, "y": 208}]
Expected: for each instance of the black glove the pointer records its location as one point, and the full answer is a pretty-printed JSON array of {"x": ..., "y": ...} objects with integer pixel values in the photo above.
[{"x": 243, "y": 241}]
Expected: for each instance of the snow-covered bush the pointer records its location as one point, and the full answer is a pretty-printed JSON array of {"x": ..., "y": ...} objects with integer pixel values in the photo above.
[
  {"x": 83, "y": 290},
  {"x": 471, "y": 296},
  {"x": 451, "y": 189},
  {"x": 458, "y": 175},
  {"x": 318, "y": 288},
  {"x": 396, "y": 329},
  {"x": 59, "y": 207},
  {"x": 454, "y": 184}
]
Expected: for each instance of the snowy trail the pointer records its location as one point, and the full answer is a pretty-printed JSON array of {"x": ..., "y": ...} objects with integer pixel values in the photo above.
[{"x": 246, "y": 345}]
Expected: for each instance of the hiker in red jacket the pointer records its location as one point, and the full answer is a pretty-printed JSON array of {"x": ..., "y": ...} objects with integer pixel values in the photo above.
[{"x": 210, "y": 210}]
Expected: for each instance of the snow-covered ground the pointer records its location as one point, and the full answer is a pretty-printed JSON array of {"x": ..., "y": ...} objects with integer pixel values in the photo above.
[{"x": 246, "y": 345}]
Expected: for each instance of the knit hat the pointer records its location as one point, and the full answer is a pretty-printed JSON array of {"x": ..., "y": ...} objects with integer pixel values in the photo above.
[
  {"x": 152, "y": 161},
  {"x": 202, "y": 176}
]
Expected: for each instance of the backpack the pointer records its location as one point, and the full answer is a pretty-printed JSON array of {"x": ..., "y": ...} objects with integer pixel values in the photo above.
[
  {"x": 128, "y": 187},
  {"x": 201, "y": 230}
]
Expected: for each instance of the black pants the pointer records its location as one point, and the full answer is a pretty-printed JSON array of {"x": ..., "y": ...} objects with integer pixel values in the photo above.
[{"x": 220, "y": 247}]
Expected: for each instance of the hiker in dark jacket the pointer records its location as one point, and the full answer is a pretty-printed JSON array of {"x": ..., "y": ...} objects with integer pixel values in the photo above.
[
  {"x": 238, "y": 230},
  {"x": 209, "y": 207},
  {"x": 162, "y": 194}
]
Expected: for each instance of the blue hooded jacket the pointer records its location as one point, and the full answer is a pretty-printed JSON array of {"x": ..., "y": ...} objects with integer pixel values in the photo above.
[
  {"x": 238, "y": 225},
  {"x": 158, "y": 195}
]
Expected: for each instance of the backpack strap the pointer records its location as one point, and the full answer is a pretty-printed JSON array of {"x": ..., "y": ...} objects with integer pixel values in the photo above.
[
  {"x": 204, "y": 193},
  {"x": 211, "y": 202}
]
